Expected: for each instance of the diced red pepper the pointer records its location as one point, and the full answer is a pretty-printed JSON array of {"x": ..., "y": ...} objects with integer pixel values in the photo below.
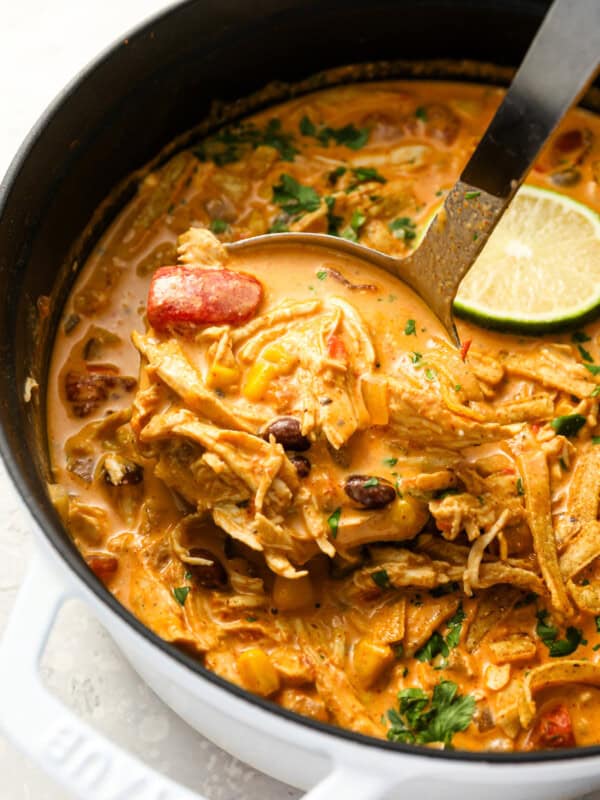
[
  {"x": 464, "y": 348},
  {"x": 103, "y": 566},
  {"x": 554, "y": 729},
  {"x": 336, "y": 348},
  {"x": 182, "y": 299}
]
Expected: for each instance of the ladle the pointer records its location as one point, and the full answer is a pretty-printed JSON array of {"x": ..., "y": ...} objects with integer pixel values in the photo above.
[{"x": 559, "y": 64}]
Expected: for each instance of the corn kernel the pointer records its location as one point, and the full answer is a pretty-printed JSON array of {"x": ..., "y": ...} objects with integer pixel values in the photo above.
[
  {"x": 260, "y": 375},
  {"x": 290, "y": 594},
  {"x": 275, "y": 354},
  {"x": 219, "y": 376},
  {"x": 257, "y": 673},
  {"x": 375, "y": 395},
  {"x": 370, "y": 660},
  {"x": 409, "y": 516}
]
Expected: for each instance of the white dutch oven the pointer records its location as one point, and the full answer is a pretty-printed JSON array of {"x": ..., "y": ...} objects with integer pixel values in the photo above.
[{"x": 110, "y": 121}]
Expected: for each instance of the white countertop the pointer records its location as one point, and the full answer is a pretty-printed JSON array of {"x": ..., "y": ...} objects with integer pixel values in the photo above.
[{"x": 42, "y": 46}]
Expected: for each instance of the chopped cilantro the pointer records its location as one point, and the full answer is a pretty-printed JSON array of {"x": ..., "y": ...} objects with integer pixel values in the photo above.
[
  {"x": 307, "y": 128},
  {"x": 548, "y": 633},
  {"x": 293, "y": 197},
  {"x": 349, "y": 135},
  {"x": 597, "y": 621},
  {"x": 593, "y": 368},
  {"x": 595, "y": 439},
  {"x": 403, "y": 228},
  {"x": 581, "y": 336},
  {"x": 568, "y": 425},
  {"x": 433, "y": 647},
  {"x": 421, "y": 113},
  {"x": 458, "y": 387},
  {"x": 414, "y": 356},
  {"x": 333, "y": 521},
  {"x": 439, "y": 645},
  {"x": 390, "y": 461},
  {"x": 188, "y": 576},
  {"x": 596, "y": 647},
  {"x": 219, "y": 226},
  {"x": 335, "y": 174},
  {"x": 585, "y": 354},
  {"x": 356, "y": 222},
  {"x": 333, "y": 220},
  {"x": 364, "y": 175},
  {"x": 322, "y": 274},
  {"x": 430, "y": 374},
  {"x": 398, "y": 650},
  {"x": 423, "y": 720},
  {"x": 471, "y": 195},
  {"x": 410, "y": 329},
  {"x": 595, "y": 391},
  {"x": 251, "y": 619},
  {"x": 520, "y": 489},
  {"x": 228, "y": 144},
  {"x": 475, "y": 236},
  {"x": 371, "y": 482},
  {"x": 180, "y": 593},
  {"x": 381, "y": 578}
]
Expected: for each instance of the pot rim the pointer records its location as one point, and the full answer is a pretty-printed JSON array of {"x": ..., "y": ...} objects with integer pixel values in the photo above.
[{"x": 49, "y": 526}]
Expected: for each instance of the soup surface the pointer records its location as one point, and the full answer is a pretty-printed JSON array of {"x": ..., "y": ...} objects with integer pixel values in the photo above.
[{"x": 277, "y": 461}]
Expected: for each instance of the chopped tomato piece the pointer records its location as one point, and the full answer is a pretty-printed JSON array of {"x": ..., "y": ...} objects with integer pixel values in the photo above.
[
  {"x": 336, "y": 348},
  {"x": 185, "y": 298},
  {"x": 508, "y": 471},
  {"x": 464, "y": 348},
  {"x": 103, "y": 566},
  {"x": 554, "y": 729}
]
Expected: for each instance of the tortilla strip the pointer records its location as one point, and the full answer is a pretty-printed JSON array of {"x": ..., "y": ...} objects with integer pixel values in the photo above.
[
  {"x": 536, "y": 479},
  {"x": 538, "y": 407},
  {"x": 551, "y": 368},
  {"x": 494, "y": 605},
  {"x": 564, "y": 671},
  {"x": 584, "y": 494},
  {"x": 581, "y": 550},
  {"x": 170, "y": 364}
]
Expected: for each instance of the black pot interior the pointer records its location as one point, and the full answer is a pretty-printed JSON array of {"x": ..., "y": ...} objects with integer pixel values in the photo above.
[{"x": 121, "y": 112}]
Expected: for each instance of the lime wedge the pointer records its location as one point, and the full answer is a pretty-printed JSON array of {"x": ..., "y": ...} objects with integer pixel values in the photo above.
[{"x": 540, "y": 269}]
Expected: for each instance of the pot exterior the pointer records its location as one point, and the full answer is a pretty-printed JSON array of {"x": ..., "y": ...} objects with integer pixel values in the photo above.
[{"x": 186, "y": 57}]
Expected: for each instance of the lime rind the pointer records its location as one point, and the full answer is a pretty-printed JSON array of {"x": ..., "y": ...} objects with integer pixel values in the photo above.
[{"x": 552, "y": 317}]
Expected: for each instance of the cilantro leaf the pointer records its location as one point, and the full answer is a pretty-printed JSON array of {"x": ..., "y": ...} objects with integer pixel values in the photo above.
[
  {"x": 433, "y": 647},
  {"x": 353, "y": 230},
  {"x": 548, "y": 633},
  {"x": 569, "y": 424},
  {"x": 455, "y": 628},
  {"x": 219, "y": 226},
  {"x": 293, "y": 197},
  {"x": 581, "y": 336},
  {"x": 403, "y": 228},
  {"x": 348, "y": 135},
  {"x": 228, "y": 144},
  {"x": 333, "y": 521},
  {"x": 180, "y": 593},
  {"x": 365, "y": 175},
  {"x": 333, "y": 220},
  {"x": 410, "y": 329},
  {"x": 279, "y": 225},
  {"x": 381, "y": 578},
  {"x": 585, "y": 354},
  {"x": 593, "y": 368},
  {"x": 448, "y": 713},
  {"x": 390, "y": 461},
  {"x": 421, "y": 113}
]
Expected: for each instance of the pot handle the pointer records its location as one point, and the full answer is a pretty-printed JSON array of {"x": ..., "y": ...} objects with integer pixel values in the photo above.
[{"x": 78, "y": 757}]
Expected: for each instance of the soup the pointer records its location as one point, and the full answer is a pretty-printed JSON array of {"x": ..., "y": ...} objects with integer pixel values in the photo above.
[{"x": 278, "y": 462}]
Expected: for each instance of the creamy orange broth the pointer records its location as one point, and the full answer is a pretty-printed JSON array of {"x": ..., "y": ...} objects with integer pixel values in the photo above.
[{"x": 419, "y": 135}]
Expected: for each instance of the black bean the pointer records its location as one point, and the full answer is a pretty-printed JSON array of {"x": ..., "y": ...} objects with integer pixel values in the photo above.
[
  {"x": 211, "y": 576},
  {"x": 369, "y": 491},
  {"x": 566, "y": 177},
  {"x": 288, "y": 433},
  {"x": 302, "y": 465}
]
